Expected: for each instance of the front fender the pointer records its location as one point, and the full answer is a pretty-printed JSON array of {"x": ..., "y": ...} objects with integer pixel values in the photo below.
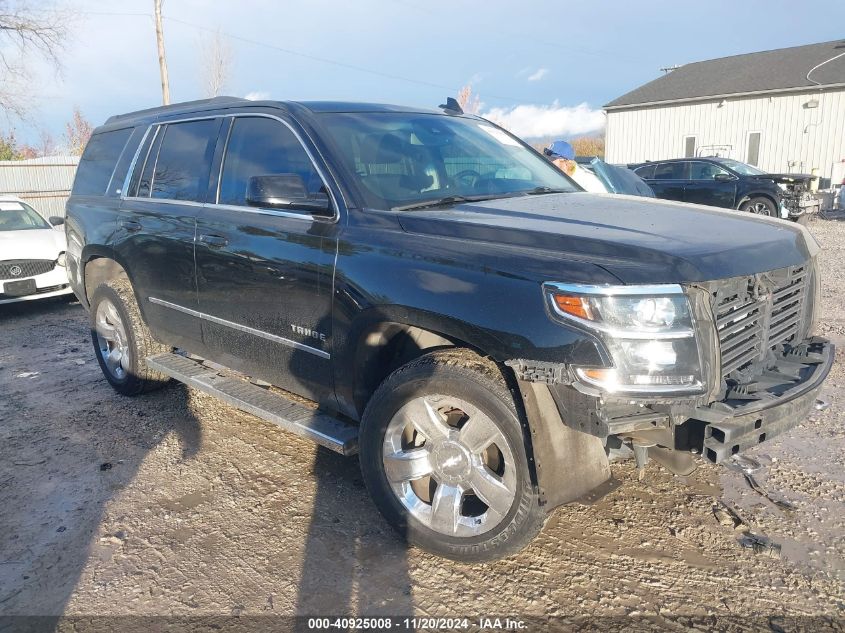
[{"x": 485, "y": 296}]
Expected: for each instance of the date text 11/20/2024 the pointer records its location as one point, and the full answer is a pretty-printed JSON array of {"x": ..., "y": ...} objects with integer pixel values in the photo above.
[{"x": 413, "y": 623}]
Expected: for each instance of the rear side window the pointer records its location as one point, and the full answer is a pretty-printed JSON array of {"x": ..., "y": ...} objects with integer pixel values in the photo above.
[
  {"x": 180, "y": 171},
  {"x": 98, "y": 162},
  {"x": 671, "y": 171},
  {"x": 262, "y": 147}
]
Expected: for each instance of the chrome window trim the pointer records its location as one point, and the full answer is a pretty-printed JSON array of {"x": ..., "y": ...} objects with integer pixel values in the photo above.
[
  {"x": 119, "y": 156},
  {"x": 275, "y": 212},
  {"x": 189, "y": 203},
  {"x": 128, "y": 178},
  {"x": 550, "y": 288},
  {"x": 213, "y": 205},
  {"x": 242, "y": 328}
]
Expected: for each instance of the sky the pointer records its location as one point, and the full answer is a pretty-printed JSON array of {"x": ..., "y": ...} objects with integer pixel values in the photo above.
[{"x": 542, "y": 68}]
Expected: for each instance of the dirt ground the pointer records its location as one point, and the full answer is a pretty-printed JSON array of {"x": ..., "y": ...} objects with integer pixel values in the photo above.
[{"x": 174, "y": 504}]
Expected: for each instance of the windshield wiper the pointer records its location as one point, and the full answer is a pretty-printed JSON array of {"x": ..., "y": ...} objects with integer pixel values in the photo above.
[
  {"x": 442, "y": 202},
  {"x": 538, "y": 191}
]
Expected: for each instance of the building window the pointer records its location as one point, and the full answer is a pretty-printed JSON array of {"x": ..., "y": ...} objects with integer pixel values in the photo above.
[
  {"x": 689, "y": 147},
  {"x": 753, "y": 157}
]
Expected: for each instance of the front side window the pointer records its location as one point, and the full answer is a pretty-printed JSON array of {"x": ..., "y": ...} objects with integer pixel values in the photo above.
[
  {"x": 406, "y": 158},
  {"x": 705, "y": 171},
  {"x": 98, "y": 162},
  {"x": 17, "y": 216},
  {"x": 259, "y": 146},
  {"x": 180, "y": 171},
  {"x": 671, "y": 171}
]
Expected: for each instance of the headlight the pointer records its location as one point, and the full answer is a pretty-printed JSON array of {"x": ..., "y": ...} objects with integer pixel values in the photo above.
[
  {"x": 62, "y": 260},
  {"x": 647, "y": 330}
]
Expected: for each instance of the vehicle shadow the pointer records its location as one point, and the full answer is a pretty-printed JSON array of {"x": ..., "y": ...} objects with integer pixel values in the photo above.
[
  {"x": 354, "y": 564},
  {"x": 68, "y": 446}
]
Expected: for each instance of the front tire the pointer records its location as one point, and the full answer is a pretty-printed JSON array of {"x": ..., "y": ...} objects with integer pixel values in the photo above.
[
  {"x": 443, "y": 456},
  {"x": 122, "y": 341},
  {"x": 760, "y": 206}
]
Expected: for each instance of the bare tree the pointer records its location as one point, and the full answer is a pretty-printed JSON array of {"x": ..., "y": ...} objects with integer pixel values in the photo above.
[
  {"x": 215, "y": 64},
  {"x": 46, "y": 144},
  {"x": 469, "y": 102},
  {"x": 77, "y": 132},
  {"x": 26, "y": 32}
]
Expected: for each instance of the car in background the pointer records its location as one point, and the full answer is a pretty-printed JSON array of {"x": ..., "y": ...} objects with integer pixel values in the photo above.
[
  {"x": 616, "y": 178},
  {"x": 32, "y": 254},
  {"x": 722, "y": 182}
]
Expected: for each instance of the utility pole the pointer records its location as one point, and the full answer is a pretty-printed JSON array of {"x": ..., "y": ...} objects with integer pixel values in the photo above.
[{"x": 162, "y": 61}]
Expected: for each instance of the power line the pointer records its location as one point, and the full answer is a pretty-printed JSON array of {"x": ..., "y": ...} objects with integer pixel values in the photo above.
[{"x": 288, "y": 51}]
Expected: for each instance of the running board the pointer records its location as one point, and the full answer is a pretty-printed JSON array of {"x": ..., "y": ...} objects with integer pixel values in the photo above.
[{"x": 289, "y": 415}]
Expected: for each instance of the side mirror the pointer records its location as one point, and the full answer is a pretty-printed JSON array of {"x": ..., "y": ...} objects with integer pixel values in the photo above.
[
  {"x": 723, "y": 178},
  {"x": 55, "y": 220},
  {"x": 286, "y": 192}
]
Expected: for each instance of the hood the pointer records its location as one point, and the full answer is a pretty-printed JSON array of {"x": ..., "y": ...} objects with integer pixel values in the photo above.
[
  {"x": 789, "y": 179},
  {"x": 638, "y": 240},
  {"x": 32, "y": 244}
]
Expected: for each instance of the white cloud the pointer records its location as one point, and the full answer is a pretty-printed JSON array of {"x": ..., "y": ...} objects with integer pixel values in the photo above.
[
  {"x": 257, "y": 95},
  {"x": 538, "y": 74},
  {"x": 544, "y": 121}
]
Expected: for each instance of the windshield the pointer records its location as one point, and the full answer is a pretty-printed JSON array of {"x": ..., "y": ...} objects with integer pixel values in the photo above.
[
  {"x": 16, "y": 216},
  {"x": 404, "y": 159},
  {"x": 741, "y": 168}
]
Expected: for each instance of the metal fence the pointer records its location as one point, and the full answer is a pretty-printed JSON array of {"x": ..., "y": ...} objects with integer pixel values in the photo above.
[{"x": 44, "y": 183}]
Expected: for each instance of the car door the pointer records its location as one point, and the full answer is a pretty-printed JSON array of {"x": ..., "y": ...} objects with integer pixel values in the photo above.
[
  {"x": 264, "y": 275},
  {"x": 155, "y": 240},
  {"x": 710, "y": 184},
  {"x": 669, "y": 180}
]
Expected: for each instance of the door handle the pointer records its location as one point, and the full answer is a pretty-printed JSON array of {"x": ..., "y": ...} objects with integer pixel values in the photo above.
[
  {"x": 214, "y": 241},
  {"x": 131, "y": 225}
]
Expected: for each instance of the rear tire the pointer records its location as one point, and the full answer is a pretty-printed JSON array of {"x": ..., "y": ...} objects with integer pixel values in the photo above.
[
  {"x": 122, "y": 341},
  {"x": 760, "y": 206},
  {"x": 443, "y": 456}
]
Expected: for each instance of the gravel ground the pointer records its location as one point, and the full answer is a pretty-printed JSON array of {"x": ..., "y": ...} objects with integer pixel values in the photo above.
[{"x": 174, "y": 504}]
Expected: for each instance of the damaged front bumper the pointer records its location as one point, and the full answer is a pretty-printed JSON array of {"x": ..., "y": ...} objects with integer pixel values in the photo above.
[
  {"x": 674, "y": 431},
  {"x": 735, "y": 425}
]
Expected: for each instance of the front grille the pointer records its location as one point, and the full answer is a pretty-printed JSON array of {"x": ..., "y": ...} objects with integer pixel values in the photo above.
[
  {"x": 757, "y": 313},
  {"x": 28, "y": 268}
]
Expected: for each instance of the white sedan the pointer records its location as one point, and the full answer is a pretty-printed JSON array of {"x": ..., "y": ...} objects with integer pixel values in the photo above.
[{"x": 32, "y": 254}]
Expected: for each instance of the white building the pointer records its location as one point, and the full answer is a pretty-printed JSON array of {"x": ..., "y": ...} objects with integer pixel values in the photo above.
[{"x": 782, "y": 110}]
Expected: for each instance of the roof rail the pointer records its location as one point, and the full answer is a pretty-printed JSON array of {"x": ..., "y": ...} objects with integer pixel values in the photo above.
[{"x": 174, "y": 107}]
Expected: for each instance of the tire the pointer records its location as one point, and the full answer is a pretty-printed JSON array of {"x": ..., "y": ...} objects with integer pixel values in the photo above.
[
  {"x": 760, "y": 206},
  {"x": 424, "y": 482},
  {"x": 122, "y": 340}
]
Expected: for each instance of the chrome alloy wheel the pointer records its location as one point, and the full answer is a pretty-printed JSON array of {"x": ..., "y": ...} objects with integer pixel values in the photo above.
[
  {"x": 112, "y": 339},
  {"x": 759, "y": 208},
  {"x": 449, "y": 465}
]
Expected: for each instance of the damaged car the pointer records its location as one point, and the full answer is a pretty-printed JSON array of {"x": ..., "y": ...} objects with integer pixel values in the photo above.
[
  {"x": 723, "y": 182},
  {"x": 422, "y": 288}
]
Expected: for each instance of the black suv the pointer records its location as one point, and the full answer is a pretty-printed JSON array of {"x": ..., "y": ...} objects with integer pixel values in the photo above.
[
  {"x": 425, "y": 288},
  {"x": 722, "y": 182}
]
